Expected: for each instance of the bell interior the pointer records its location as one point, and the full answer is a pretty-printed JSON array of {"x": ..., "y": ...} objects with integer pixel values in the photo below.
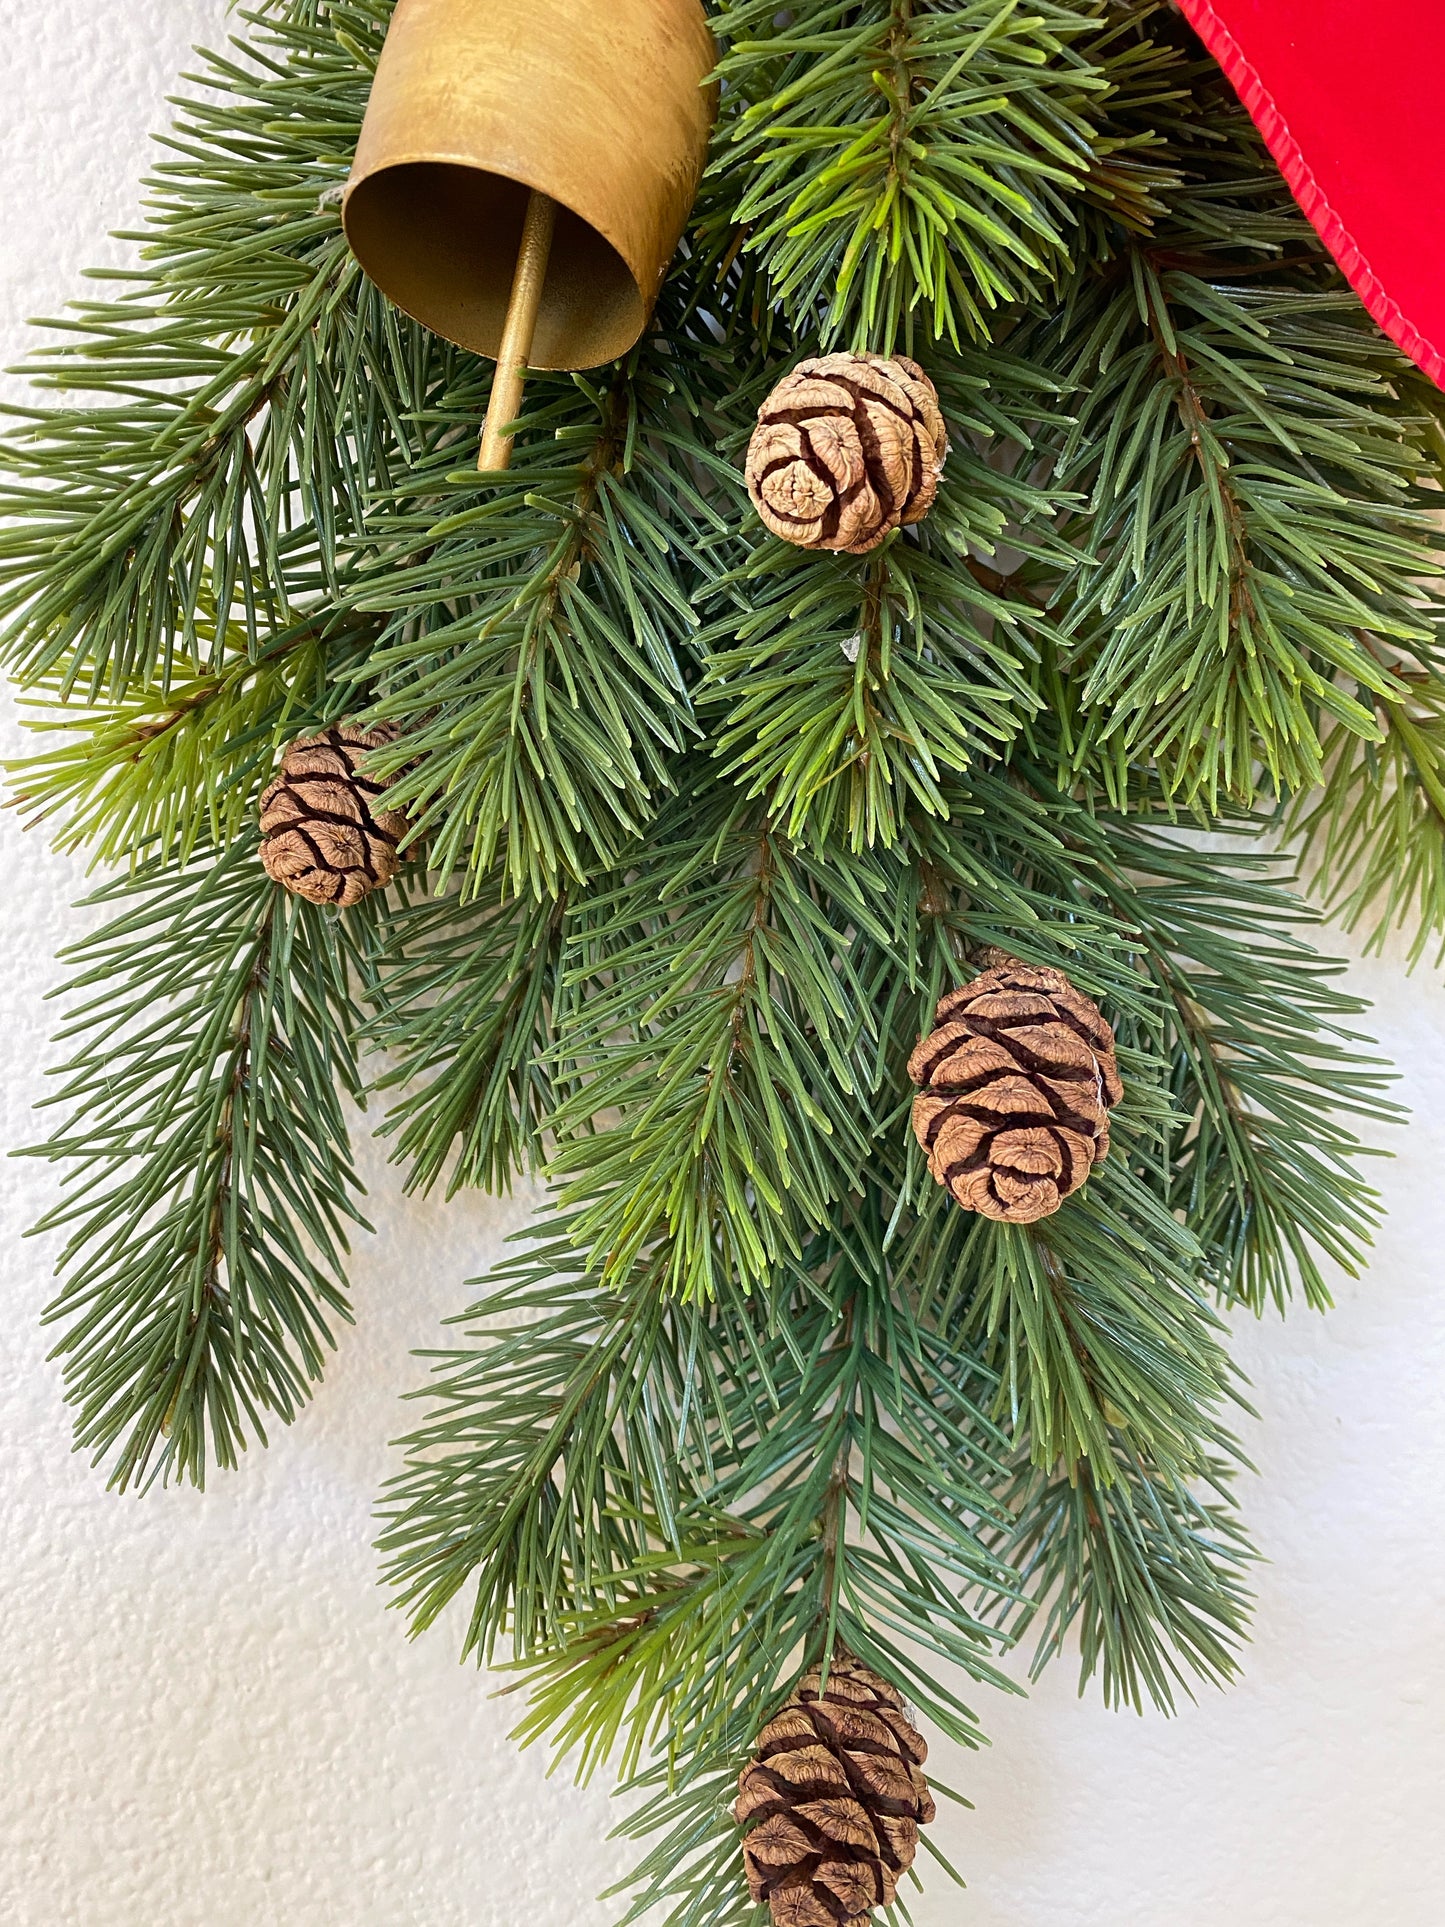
[{"x": 440, "y": 239}]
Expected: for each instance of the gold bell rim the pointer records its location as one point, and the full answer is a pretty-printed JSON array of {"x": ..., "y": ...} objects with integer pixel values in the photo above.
[{"x": 594, "y": 309}]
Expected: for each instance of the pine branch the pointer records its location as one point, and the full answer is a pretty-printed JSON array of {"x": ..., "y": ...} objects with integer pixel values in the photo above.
[
  {"x": 539, "y": 663},
  {"x": 469, "y": 1004},
  {"x": 1253, "y": 519},
  {"x": 719, "y": 1064},
  {"x": 849, "y": 1470},
  {"x": 1149, "y": 114},
  {"x": 1374, "y": 834},
  {"x": 548, "y": 1450},
  {"x": 1145, "y": 1573},
  {"x": 693, "y": 1861},
  {"x": 1243, "y": 1060},
  {"x": 1267, "y": 1067},
  {"x": 851, "y": 690},
  {"x": 846, "y": 690},
  {"x": 646, "y": 1491},
  {"x": 1098, "y": 1322},
  {"x": 251, "y": 388},
  {"x": 1251, "y": 448},
  {"x": 166, "y": 771},
  {"x": 210, "y": 1184},
  {"x": 903, "y": 166}
]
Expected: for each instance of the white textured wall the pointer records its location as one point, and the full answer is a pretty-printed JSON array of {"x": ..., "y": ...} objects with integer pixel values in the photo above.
[{"x": 209, "y": 1719}]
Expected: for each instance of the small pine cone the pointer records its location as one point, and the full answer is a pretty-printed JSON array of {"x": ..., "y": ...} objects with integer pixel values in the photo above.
[
  {"x": 847, "y": 448},
  {"x": 319, "y": 836},
  {"x": 833, "y": 1799},
  {"x": 1016, "y": 1084}
]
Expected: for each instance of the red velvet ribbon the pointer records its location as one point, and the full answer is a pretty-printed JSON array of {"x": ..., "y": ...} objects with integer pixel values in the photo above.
[{"x": 1350, "y": 96}]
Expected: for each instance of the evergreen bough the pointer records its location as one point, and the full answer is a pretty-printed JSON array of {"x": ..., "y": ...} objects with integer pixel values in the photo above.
[{"x": 703, "y": 827}]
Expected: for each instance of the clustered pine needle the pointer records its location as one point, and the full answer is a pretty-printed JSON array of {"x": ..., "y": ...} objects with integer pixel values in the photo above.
[{"x": 697, "y": 828}]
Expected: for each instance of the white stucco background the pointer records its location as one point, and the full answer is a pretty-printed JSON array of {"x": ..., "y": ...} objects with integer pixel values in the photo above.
[{"x": 208, "y": 1717}]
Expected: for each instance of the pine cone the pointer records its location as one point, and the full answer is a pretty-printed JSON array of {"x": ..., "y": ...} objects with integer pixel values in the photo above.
[
  {"x": 833, "y": 1799},
  {"x": 1017, "y": 1082},
  {"x": 319, "y": 836},
  {"x": 847, "y": 447}
]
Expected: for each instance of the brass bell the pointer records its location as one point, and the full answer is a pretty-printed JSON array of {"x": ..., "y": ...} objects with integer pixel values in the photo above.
[{"x": 525, "y": 172}]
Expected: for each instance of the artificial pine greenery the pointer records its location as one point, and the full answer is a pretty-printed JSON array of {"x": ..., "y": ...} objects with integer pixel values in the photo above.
[{"x": 705, "y": 825}]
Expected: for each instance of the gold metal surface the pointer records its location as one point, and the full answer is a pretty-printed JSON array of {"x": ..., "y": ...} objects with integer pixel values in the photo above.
[
  {"x": 597, "y": 104},
  {"x": 519, "y": 333}
]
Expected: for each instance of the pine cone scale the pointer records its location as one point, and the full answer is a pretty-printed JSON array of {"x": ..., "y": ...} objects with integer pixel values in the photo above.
[
  {"x": 1026, "y": 1085},
  {"x": 1000, "y": 1015},
  {"x": 868, "y": 448},
  {"x": 833, "y": 1797},
  {"x": 840, "y": 1823},
  {"x": 1015, "y": 1086}
]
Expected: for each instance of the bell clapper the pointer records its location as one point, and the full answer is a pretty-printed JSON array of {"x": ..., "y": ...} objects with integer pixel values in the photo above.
[{"x": 517, "y": 336}]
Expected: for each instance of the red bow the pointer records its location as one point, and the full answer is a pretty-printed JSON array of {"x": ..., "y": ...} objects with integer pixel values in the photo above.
[{"x": 1348, "y": 94}]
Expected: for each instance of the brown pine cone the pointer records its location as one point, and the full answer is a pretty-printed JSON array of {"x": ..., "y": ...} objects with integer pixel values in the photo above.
[
  {"x": 319, "y": 836},
  {"x": 833, "y": 1799},
  {"x": 1016, "y": 1084},
  {"x": 847, "y": 447}
]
